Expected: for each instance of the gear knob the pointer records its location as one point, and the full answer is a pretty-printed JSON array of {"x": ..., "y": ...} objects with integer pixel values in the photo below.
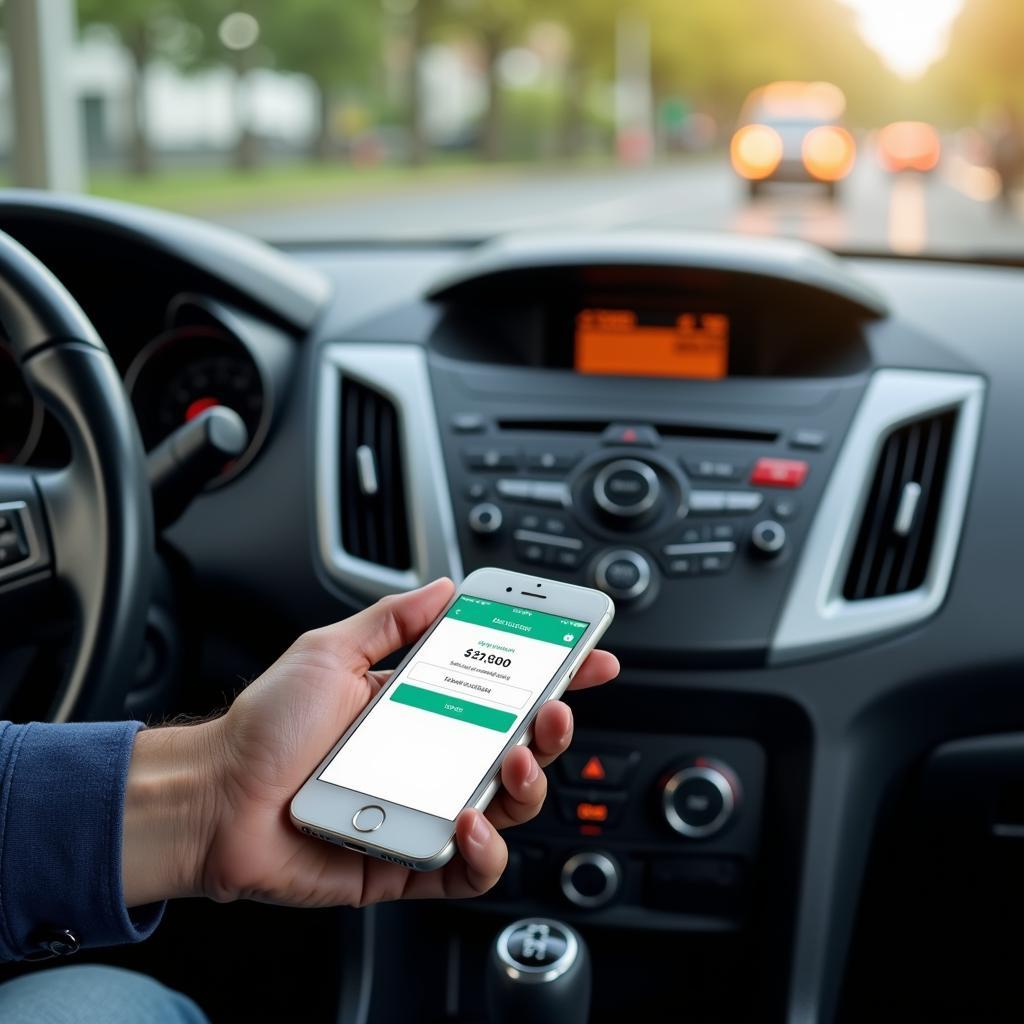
[{"x": 539, "y": 971}]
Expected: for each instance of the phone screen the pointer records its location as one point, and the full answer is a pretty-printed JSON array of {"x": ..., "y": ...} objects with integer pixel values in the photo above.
[{"x": 446, "y": 717}]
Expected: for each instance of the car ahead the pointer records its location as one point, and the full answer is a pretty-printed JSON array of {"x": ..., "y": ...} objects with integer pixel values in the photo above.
[{"x": 792, "y": 132}]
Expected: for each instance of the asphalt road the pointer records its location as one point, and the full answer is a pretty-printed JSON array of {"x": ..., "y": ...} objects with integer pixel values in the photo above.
[{"x": 951, "y": 211}]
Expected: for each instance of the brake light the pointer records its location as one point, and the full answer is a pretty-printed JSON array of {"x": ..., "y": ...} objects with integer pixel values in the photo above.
[
  {"x": 909, "y": 146},
  {"x": 828, "y": 152},
  {"x": 756, "y": 150}
]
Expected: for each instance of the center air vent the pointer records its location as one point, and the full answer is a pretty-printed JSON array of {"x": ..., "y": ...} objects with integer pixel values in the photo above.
[
  {"x": 897, "y": 530},
  {"x": 374, "y": 523}
]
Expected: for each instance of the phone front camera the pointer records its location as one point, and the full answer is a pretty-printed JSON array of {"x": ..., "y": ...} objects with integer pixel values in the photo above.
[{"x": 508, "y": 590}]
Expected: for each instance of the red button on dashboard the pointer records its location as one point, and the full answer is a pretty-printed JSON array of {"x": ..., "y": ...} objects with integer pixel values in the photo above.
[{"x": 779, "y": 473}]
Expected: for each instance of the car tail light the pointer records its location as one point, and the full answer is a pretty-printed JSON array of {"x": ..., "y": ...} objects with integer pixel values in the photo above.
[
  {"x": 756, "y": 151},
  {"x": 828, "y": 152},
  {"x": 909, "y": 146}
]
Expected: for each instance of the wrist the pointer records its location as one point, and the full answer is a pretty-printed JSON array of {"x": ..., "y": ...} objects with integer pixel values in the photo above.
[{"x": 170, "y": 813}]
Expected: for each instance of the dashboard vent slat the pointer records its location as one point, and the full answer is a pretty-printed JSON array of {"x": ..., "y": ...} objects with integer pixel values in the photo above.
[
  {"x": 374, "y": 522},
  {"x": 894, "y": 542}
]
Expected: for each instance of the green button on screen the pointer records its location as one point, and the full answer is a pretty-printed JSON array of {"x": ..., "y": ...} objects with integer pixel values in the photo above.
[{"x": 453, "y": 707}]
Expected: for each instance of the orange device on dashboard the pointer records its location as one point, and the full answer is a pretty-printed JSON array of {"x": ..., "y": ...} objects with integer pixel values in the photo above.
[{"x": 611, "y": 341}]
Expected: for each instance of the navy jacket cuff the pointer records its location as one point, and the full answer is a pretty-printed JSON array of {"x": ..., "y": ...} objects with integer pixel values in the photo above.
[{"x": 62, "y": 792}]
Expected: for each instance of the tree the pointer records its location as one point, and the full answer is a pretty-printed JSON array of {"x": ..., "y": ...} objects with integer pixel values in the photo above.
[
  {"x": 494, "y": 25},
  {"x": 142, "y": 27},
  {"x": 336, "y": 43}
]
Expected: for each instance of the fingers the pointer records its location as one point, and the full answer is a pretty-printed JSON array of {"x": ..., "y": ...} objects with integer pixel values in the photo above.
[
  {"x": 524, "y": 787},
  {"x": 600, "y": 667},
  {"x": 393, "y": 622},
  {"x": 481, "y": 861}
]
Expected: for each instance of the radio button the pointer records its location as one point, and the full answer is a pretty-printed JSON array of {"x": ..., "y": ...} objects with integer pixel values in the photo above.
[
  {"x": 743, "y": 501},
  {"x": 713, "y": 469},
  {"x": 536, "y": 554},
  {"x": 476, "y": 490},
  {"x": 565, "y": 559},
  {"x": 492, "y": 458},
  {"x": 530, "y": 521},
  {"x": 485, "y": 518},
  {"x": 768, "y": 538},
  {"x": 626, "y": 488},
  {"x": 779, "y": 473},
  {"x": 552, "y": 460},
  {"x": 711, "y": 565},
  {"x": 580, "y": 807},
  {"x": 635, "y": 435},
  {"x": 723, "y": 531},
  {"x": 623, "y": 575},
  {"x": 813, "y": 440},
  {"x": 549, "y": 492},
  {"x": 707, "y": 501},
  {"x": 467, "y": 423},
  {"x": 687, "y": 565},
  {"x": 785, "y": 508}
]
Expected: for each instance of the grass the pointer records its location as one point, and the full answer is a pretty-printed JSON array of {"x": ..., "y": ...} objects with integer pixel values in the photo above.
[{"x": 196, "y": 190}]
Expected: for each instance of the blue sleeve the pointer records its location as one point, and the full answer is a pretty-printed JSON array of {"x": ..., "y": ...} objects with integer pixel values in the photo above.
[{"x": 62, "y": 791}]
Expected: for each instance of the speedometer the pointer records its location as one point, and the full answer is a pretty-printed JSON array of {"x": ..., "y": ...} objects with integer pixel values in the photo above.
[{"x": 184, "y": 372}]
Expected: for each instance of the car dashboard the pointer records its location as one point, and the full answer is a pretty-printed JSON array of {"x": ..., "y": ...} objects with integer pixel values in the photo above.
[{"x": 805, "y": 512}]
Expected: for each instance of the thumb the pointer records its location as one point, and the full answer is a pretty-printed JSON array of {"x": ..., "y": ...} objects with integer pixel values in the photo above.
[{"x": 393, "y": 622}]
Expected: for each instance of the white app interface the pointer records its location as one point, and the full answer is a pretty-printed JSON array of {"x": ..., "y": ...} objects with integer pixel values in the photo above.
[{"x": 444, "y": 720}]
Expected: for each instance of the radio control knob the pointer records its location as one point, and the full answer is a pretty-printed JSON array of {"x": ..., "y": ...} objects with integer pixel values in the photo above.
[
  {"x": 626, "y": 489},
  {"x": 700, "y": 798},
  {"x": 623, "y": 574},
  {"x": 768, "y": 538},
  {"x": 485, "y": 518},
  {"x": 590, "y": 879}
]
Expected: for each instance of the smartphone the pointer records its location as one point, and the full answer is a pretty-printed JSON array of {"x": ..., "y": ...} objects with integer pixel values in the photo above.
[{"x": 433, "y": 739}]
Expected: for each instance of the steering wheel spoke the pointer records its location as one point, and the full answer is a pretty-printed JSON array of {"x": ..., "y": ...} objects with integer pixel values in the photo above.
[{"x": 24, "y": 534}]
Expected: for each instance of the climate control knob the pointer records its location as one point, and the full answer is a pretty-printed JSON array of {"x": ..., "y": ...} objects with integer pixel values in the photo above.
[
  {"x": 768, "y": 538},
  {"x": 700, "y": 798},
  {"x": 590, "y": 879},
  {"x": 622, "y": 574},
  {"x": 627, "y": 489},
  {"x": 485, "y": 518}
]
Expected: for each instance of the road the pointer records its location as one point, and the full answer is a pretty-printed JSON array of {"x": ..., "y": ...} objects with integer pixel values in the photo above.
[{"x": 951, "y": 211}]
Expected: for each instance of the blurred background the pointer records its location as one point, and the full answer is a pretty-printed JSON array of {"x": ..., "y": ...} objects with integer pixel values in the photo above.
[{"x": 873, "y": 125}]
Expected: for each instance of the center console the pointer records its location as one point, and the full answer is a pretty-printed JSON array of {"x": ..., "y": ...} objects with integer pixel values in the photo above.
[{"x": 736, "y": 443}]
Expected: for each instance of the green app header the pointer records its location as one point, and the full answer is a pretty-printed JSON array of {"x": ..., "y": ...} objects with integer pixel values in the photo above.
[{"x": 509, "y": 618}]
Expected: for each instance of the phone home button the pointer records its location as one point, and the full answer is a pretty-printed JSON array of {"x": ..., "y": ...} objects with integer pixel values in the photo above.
[{"x": 368, "y": 819}]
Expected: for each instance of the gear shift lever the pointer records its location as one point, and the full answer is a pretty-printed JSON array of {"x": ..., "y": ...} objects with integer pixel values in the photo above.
[{"x": 539, "y": 971}]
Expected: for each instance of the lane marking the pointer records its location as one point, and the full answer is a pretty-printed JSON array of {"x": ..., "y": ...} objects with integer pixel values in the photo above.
[{"x": 908, "y": 216}]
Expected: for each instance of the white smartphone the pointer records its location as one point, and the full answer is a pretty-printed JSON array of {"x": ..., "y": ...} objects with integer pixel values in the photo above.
[{"x": 432, "y": 740}]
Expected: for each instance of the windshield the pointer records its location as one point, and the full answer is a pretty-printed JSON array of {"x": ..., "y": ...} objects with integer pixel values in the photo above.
[{"x": 864, "y": 125}]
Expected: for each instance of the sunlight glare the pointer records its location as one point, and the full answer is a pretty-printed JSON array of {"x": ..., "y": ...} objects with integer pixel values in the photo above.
[{"x": 908, "y": 34}]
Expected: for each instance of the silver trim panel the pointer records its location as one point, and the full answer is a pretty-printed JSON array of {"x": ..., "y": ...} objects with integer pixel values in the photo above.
[
  {"x": 400, "y": 373},
  {"x": 816, "y": 618}
]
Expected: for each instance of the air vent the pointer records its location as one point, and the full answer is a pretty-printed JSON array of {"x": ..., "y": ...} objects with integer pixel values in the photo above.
[
  {"x": 374, "y": 523},
  {"x": 897, "y": 531}
]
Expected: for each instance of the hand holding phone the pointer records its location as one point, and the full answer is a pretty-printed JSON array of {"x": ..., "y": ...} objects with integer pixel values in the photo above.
[{"x": 433, "y": 740}]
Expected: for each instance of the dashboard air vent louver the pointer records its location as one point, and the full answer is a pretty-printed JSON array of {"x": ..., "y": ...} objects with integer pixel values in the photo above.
[
  {"x": 897, "y": 530},
  {"x": 374, "y": 522}
]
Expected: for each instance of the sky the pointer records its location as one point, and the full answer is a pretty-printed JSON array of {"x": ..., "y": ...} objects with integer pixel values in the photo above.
[{"x": 909, "y": 34}]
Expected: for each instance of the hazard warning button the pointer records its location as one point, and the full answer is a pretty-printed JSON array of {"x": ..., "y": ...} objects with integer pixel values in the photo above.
[{"x": 598, "y": 767}]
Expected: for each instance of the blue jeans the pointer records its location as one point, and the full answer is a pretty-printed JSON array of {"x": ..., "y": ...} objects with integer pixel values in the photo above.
[{"x": 93, "y": 994}]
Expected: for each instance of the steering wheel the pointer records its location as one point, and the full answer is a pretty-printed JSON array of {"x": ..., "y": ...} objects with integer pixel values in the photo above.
[{"x": 88, "y": 527}]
